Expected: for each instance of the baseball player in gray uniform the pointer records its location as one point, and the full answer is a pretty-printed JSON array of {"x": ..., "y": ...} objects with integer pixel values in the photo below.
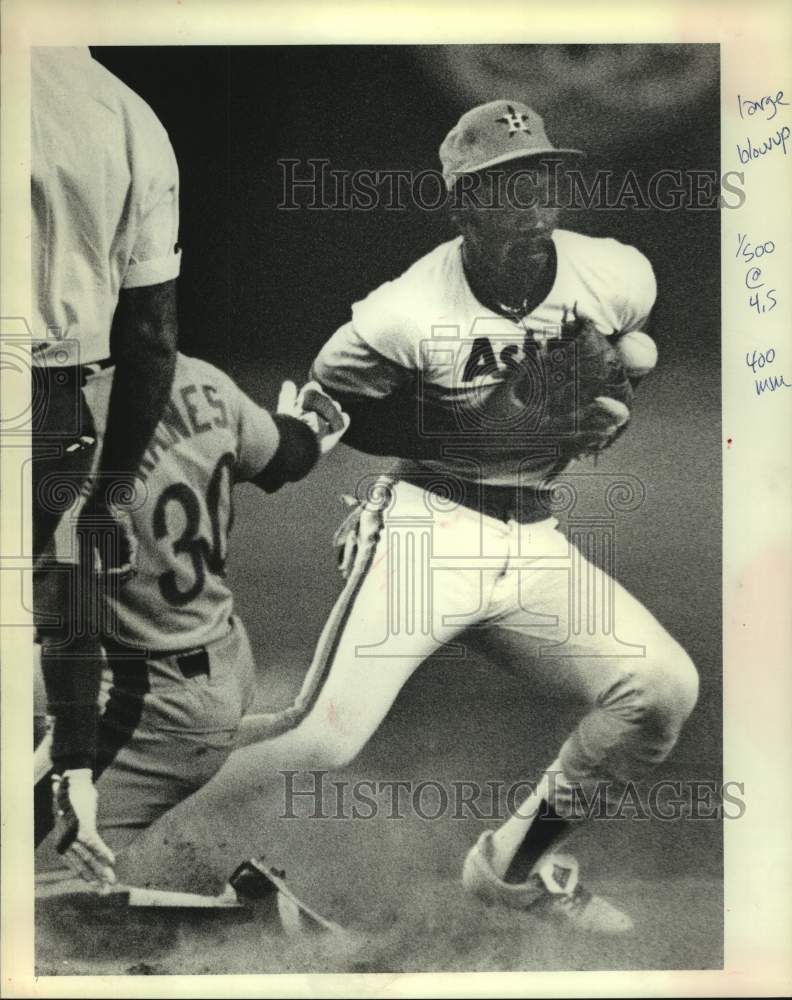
[
  {"x": 441, "y": 367},
  {"x": 179, "y": 672}
]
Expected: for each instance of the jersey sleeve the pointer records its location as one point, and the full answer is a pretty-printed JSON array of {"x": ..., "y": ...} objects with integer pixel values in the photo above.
[
  {"x": 350, "y": 364},
  {"x": 258, "y": 437},
  {"x": 155, "y": 204},
  {"x": 385, "y": 320},
  {"x": 639, "y": 291}
]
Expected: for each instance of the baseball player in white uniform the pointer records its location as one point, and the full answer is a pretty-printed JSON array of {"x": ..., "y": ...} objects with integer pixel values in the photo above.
[
  {"x": 179, "y": 672},
  {"x": 437, "y": 368},
  {"x": 105, "y": 217}
]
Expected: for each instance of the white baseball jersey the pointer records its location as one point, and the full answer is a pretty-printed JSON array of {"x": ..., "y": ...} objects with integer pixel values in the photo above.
[
  {"x": 211, "y": 436},
  {"x": 105, "y": 198},
  {"x": 426, "y": 333}
]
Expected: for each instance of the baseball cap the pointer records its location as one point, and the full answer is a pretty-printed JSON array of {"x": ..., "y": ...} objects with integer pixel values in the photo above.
[{"x": 491, "y": 134}]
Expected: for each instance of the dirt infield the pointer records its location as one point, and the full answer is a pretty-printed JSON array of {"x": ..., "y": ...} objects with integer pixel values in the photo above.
[{"x": 396, "y": 880}]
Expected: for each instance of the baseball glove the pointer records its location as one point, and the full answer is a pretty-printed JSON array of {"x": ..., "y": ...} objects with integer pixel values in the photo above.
[
  {"x": 360, "y": 530},
  {"x": 575, "y": 390},
  {"x": 345, "y": 537}
]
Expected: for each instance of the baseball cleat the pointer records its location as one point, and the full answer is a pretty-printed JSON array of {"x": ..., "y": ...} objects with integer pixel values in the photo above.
[{"x": 553, "y": 891}]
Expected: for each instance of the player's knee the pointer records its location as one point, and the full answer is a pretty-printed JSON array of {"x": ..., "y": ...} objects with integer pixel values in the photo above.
[{"x": 670, "y": 689}]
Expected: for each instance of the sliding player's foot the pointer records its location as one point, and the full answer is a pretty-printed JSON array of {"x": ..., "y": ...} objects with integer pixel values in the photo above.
[{"x": 552, "y": 892}]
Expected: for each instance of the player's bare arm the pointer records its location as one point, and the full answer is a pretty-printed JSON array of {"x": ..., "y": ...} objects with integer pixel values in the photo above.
[{"x": 143, "y": 346}]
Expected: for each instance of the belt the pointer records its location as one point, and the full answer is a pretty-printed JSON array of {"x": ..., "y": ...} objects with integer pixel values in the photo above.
[
  {"x": 194, "y": 664},
  {"x": 191, "y": 662},
  {"x": 523, "y": 504},
  {"x": 126, "y": 661}
]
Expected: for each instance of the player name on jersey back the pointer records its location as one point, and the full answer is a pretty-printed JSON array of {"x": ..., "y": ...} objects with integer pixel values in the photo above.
[
  {"x": 211, "y": 435},
  {"x": 196, "y": 408}
]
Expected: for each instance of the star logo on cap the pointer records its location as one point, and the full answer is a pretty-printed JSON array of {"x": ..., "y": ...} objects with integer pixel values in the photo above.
[{"x": 517, "y": 123}]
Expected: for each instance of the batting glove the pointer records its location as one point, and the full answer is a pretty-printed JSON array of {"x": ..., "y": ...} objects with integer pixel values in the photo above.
[
  {"x": 75, "y": 803},
  {"x": 315, "y": 408}
]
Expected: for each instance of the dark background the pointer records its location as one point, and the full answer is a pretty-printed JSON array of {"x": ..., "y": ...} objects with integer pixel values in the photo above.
[
  {"x": 259, "y": 282},
  {"x": 260, "y": 291}
]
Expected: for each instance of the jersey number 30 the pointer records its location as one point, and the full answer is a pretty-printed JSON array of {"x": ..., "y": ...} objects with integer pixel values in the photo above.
[{"x": 205, "y": 555}]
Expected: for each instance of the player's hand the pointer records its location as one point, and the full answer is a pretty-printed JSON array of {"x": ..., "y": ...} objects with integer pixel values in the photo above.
[
  {"x": 601, "y": 423},
  {"x": 315, "y": 408},
  {"x": 74, "y": 803}
]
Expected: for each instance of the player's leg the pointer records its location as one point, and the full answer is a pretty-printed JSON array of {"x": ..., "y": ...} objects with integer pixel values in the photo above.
[
  {"x": 635, "y": 684},
  {"x": 130, "y": 794},
  {"x": 393, "y": 613},
  {"x": 168, "y": 725},
  {"x": 635, "y": 704}
]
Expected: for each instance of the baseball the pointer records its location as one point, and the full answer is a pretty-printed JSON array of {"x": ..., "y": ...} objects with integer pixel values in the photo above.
[{"x": 638, "y": 353}]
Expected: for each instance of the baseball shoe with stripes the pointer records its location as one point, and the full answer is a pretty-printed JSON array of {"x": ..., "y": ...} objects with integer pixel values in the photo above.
[{"x": 552, "y": 892}]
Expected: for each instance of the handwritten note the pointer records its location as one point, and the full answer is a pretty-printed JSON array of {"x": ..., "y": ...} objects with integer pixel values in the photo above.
[
  {"x": 764, "y": 108},
  {"x": 756, "y": 252},
  {"x": 762, "y": 298},
  {"x": 756, "y": 361},
  {"x": 748, "y": 108}
]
